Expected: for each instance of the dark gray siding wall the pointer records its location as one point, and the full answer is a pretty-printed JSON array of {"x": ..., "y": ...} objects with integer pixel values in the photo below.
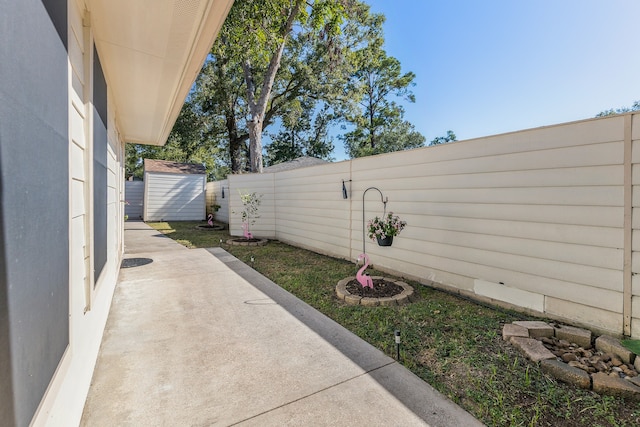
[{"x": 34, "y": 203}]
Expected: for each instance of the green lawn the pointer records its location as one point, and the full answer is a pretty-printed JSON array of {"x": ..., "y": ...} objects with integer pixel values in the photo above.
[{"x": 452, "y": 343}]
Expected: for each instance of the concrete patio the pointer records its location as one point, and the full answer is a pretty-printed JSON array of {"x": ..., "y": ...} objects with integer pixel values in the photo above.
[{"x": 197, "y": 338}]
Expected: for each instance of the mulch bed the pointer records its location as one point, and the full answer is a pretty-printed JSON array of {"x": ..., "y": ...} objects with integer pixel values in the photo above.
[{"x": 381, "y": 288}]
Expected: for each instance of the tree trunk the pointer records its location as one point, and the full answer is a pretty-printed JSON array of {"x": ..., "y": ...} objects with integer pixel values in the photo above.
[
  {"x": 255, "y": 144},
  {"x": 235, "y": 142},
  {"x": 257, "y": 109}
]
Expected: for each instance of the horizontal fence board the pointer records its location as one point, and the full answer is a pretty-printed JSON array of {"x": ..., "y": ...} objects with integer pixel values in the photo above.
[
  {"x": 317, "y": 216},
  {"x": 576, "y": 234},
  {"x": 580, "y": 254},
  {"x": 579, "y": 274},
  {"x": 583, "y": 294},
  {"x": 305, "y": 235},
  {"x": 594, "y": 317},
  {"x": 328, "y": 231},
  {"x": 585, "y": 176},
  {"x": 559, "y": 196},
  {"x": 609, "y": 153},
  {"x": 600, "y": 216},
  {"x": 331, "y": 249},
  {"x": 541, "y": 139},
  {"x": 328, "y": 169}
]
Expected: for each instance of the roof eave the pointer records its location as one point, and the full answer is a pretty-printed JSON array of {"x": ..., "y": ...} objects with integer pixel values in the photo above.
[{"x": 151, "y": 57}]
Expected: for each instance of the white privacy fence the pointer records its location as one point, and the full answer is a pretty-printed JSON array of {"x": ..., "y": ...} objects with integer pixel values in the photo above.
[
  {"x": 217, "y": 194},
  {"x": 134, "y": 196},
  {"x": 543, "y": 220}
]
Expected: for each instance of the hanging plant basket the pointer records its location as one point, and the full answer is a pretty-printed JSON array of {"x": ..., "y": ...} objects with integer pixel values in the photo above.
[{"x": 386, "y": 241}]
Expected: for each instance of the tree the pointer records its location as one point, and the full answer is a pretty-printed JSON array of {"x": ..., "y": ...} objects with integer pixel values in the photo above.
[
  {"x": 188, "y": 142},
  {"x": 259, "y": 32},
  {"x": 299, "y": 137},
  {"x": 257, "y": 71},
  {"x": 621, "y": 110},
  {"x": 377, "y": 119},
  {"x": 219, "y": 92},
  {"x": 398, "y": 135},
  {"x": 450, "y": 137}
]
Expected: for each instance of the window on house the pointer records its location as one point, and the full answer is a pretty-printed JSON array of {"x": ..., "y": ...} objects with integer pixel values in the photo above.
[{"x": 99, "y": 168}]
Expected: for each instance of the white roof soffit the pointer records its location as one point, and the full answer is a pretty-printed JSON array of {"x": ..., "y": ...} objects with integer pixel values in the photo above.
[{"x": 151, "y": 52}]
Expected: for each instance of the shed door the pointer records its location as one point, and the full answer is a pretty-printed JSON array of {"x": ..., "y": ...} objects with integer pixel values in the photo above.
[{"x": 172, "y": 197}]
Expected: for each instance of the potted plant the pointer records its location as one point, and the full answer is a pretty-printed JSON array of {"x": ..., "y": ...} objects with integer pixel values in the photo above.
[{"x": 383, "y": 229}]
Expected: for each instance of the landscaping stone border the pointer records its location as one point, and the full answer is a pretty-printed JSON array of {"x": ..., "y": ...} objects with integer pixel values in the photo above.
[
  {"x": 208, "y": 228},
  {"x": 528, "y": 337},
  {"x": 406, "y": 296},
  {"x": 236, "y": 242}
]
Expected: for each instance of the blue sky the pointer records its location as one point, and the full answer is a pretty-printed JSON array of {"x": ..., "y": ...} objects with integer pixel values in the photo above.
[{"x": 494, "y": 66}]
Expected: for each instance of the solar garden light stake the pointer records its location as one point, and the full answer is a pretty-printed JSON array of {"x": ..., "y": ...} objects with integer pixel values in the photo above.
[{"x": 397, "y": 337}]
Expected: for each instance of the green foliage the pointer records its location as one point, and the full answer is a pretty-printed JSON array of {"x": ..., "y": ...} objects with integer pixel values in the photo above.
[
  {"x": 450, "y": 137},
  {"x": 259, "y": 33},
  {"x": 632, "y": 345},
  {"x": 188, "y": 142},
  {"x": 298, "y": 137},
  {"x": 275, "y": 60},
  {"x": 302, "y": 65},
  {"x": 377, "y": 119},
  {"x": 397, "y": 136},
  {"x": 621, "y": 110},
  {"x": 250, "y": 205}
]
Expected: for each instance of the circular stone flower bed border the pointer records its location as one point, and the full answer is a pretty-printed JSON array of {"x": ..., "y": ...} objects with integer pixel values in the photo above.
[
  {"x": 241, "y": 241},
  {"x": 209, "y": 227},
  {"x": 402, "y": 298}
]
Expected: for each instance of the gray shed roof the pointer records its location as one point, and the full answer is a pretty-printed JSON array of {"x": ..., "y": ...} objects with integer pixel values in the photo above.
[{"x": 165, "y": 166}]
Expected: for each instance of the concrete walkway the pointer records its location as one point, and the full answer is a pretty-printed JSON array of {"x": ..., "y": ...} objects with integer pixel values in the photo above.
[{"x": 197, "y": 338}]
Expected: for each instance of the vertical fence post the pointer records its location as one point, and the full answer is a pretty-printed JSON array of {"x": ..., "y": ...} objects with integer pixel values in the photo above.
[{"x": 628, "y": 227}]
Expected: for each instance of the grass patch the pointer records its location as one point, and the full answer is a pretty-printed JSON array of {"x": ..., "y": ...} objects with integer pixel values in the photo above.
[{"x": 452, "y": 343}]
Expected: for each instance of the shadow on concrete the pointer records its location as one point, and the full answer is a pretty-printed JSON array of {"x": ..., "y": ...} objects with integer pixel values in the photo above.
[{"x": 413, "y": 392}]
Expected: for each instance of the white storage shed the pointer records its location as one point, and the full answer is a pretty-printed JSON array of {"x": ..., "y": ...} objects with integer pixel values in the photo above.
[{"x": 174, "y": 191}]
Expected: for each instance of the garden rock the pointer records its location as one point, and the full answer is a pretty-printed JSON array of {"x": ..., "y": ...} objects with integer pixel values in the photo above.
[
  {"x": 532, "y": 349},
  {"x": 536, "y": 328},
  {"x": 611, "y": 345},
  {"x": 608, "y": 368},
  {"x": 566, "y": 373},
  {"x": 580, "y": 336},
  {"x": 615, "y": 386},
  {"x": 510, "y": 330}
]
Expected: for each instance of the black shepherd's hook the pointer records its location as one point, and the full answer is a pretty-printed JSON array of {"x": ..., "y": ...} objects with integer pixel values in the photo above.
[{"x": 384, "y": 202}]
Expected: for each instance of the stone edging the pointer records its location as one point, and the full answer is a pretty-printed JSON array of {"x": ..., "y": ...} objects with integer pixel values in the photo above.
[
  {"x": 207, "y": 228},
  {"x": 529, "y": 338},
  {"x": 235, "y": 242},
  {"x": 402, "y": 298}
]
